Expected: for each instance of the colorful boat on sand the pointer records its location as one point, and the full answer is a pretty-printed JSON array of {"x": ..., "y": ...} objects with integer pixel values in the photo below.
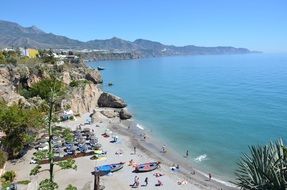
[
  {"x": 146, "y": 167},
  {"x": 105, "y": 169}
]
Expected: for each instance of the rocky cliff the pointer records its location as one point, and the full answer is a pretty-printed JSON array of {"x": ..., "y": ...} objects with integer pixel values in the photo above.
[
  {"x": 15, "y": 80},
  {"x": 83, "y": 91}
]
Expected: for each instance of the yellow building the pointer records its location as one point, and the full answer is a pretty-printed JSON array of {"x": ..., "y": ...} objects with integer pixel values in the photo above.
[{"x": 32, "y": 53}]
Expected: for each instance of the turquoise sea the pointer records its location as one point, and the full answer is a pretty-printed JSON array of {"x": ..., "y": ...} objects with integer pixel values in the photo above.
[{"x": 214, "y": 106}]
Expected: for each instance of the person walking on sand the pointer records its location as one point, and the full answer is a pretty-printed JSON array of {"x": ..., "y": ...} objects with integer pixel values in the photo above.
[
  {"x": 163, "y": 149},
  {"x": 135, "y": 150},
  {"x": 136, "y": 182},
  {"x": 209, "y": 175},
  {"x": 146, "y": 181}
]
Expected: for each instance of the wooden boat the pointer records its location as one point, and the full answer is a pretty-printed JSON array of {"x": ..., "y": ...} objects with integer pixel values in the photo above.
[
  {"x": 146, "y": 167},
  {"x": 105, "y": 169},
  {"x": 100, "y": 68}
]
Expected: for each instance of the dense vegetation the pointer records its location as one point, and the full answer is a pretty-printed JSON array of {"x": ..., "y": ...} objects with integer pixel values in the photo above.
[
  {"x": 44, "y": 88},
  {"x": 265, "y": 168},
  {"x": 18, "y": 125},
  {"x": 7, "y": 178},
  {"x": 3, "y": 158}
]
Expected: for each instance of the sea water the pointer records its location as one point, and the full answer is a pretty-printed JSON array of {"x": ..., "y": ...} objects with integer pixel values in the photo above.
[{"x": 213, "y": 106}]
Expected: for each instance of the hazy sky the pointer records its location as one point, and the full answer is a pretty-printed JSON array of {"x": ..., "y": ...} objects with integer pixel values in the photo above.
[{"x": 254, "y": 24}]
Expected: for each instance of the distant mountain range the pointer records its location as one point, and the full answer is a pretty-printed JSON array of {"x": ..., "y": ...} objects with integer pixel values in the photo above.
[{"x": 15, "y": 35}]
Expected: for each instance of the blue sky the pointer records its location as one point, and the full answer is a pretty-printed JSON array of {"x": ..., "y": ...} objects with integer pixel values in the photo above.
[{"x": 255, "y": 24}]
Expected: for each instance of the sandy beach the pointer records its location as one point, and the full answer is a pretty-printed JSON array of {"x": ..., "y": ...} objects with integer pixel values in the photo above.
[{"x": 130, "y": 136}]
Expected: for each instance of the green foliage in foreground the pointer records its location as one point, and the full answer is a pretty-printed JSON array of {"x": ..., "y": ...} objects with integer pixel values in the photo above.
[
  {"x": 8, "y": 176},
  {"x": 41, "y": 155},
  {"x": 3, "y": 158},
  {"x": 265, "y": 168},
  {"x": 35, "y": 170},
  {"x": 68, "y": 164},
  {"x": 24, "y": 182},
  {"x": 68, "y": 135},
  {"x": 46, "y": 87},
  {"x": 16, "y": 122},
  {"x": 47, "y": 184},
  {"x": 71, "y": 187}
]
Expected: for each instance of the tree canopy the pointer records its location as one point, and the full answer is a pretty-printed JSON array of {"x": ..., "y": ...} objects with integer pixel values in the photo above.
[
  {"x": 18, "y": 124},
  {"x": 46, "y": 87}
]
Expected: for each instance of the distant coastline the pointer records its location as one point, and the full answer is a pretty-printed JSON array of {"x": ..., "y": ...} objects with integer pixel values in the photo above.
[
  {"x": 97, "y": 56},
  {"x": 14, "y": 36}
]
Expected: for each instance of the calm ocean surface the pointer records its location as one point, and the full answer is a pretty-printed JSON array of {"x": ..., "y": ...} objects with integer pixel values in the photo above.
[{"x": 214, "y": 106}]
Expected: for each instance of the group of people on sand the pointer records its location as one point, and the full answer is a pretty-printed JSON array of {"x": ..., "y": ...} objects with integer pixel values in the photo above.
[
  {"x": 146, "y": 180},
  {"x": 173, "y": 168}
]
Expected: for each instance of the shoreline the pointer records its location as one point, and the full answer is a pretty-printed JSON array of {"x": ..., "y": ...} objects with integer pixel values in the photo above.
[
  {"x": 173, "y": 157},
  {"x": 152, "y": 147},
  {"x": 147, "y": 151}
]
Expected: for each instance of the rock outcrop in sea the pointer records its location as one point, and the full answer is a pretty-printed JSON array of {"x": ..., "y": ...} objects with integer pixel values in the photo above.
[
  {"x": 111, "y": 101},
  {"x": 124, "y": 114}
]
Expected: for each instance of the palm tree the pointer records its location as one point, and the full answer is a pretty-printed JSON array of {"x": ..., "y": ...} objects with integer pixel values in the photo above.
[{"x": 264, "y": 168}]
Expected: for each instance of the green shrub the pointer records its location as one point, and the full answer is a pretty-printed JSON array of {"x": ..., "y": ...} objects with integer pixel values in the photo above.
[
  {"x": 25, "y": 93},
  {"x": 8, "y": 176},
  {"x": 41, "y": 155},
  {"x": 78, "y": 83},
  {"x": 74, "y": 83},
  {"x": 47, "y": 184},
  {"x": 35, "y": 170},
  {"x": 5, "y": 185},
  {"x": 43, "y": 88},
  {"x": 71, "y": 187},
  {"x": 3, "y": 158},
  {"x": 24, "y": 182}
]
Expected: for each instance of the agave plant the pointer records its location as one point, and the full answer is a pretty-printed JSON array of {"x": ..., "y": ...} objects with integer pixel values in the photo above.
[{"x": 264, "y": 168}]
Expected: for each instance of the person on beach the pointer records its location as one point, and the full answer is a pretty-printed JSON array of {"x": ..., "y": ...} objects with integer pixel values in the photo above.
[
  {"x": 192, "y": 172},
  {"x": 186, "y": 154},
  {"x": 209, "y": 175},
  {"x": 146, "y": 181},
  {"x": 135, "y": 150},
  {"x": 159, "y": 183},
  {"x": 136, "y": 182},
  {"x": 163, "y": 149},
  {"x": 158, "y": 174}
]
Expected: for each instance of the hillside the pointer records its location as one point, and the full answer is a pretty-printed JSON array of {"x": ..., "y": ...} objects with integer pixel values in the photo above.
[{"x": 15, "y": 35}]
